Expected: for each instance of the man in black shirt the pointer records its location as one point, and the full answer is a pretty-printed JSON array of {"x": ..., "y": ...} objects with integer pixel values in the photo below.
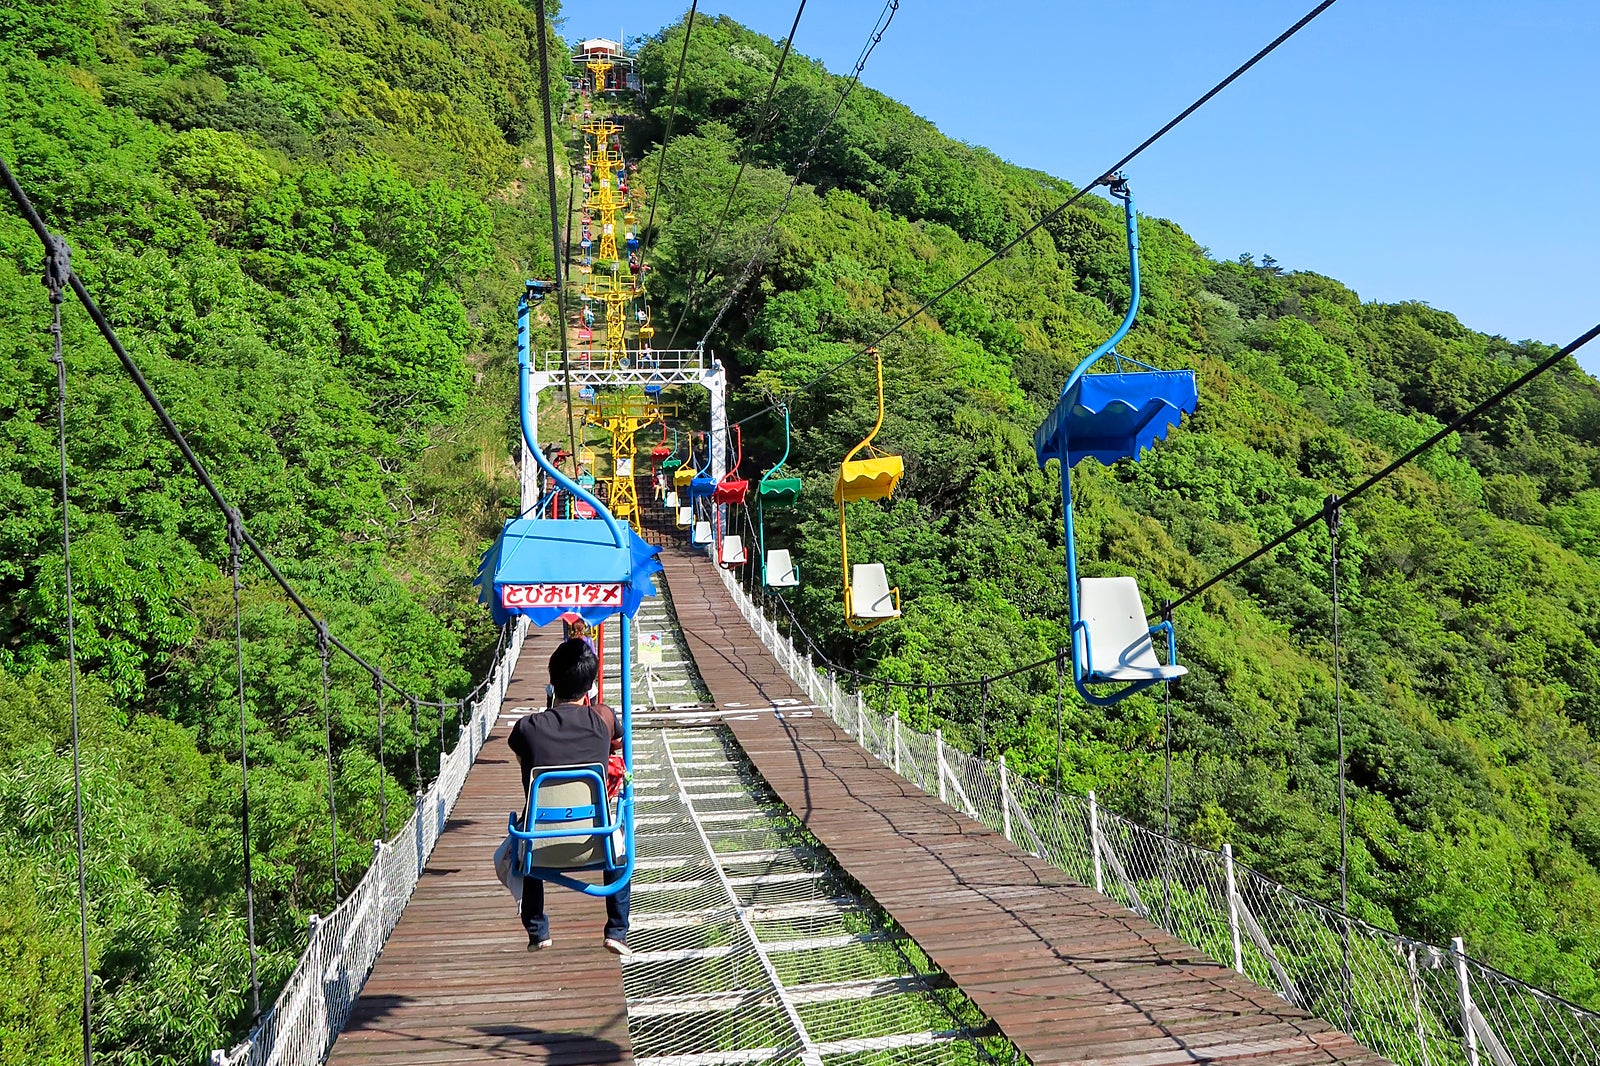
[{"x": 568, "y": 734}]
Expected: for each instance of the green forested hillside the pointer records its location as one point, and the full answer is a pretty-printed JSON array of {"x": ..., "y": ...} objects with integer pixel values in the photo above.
[
  {"x": 308, "y": 221},
  {"x": 1470, "y": 585}
]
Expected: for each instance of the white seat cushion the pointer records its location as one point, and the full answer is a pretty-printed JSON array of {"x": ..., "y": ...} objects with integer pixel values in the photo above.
[
  {"x": 870, "y": 596},
  {"x": 672, "y": 500},
  {"x": 685, "y": 516},
  {"x": 702, "y": 532},
  {"x": 781, "y": 573},
  {"x": 733, "y": 553},
  {"x": 1120, "y": 647}
]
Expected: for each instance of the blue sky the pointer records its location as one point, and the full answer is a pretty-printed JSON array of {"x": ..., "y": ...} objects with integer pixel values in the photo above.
[{"x": 1413, "y": 149}]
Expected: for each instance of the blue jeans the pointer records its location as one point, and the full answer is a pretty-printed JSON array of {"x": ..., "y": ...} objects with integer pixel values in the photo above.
[{"x": 538, "y": 925}]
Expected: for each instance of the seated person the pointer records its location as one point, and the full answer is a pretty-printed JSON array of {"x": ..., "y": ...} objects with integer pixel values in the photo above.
[{"x": 570, "y": 733}]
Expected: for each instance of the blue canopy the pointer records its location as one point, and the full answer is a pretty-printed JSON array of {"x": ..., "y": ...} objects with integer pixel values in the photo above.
[
  {"x": 702, "y": 487},
  {"x": 1115, "y": 416},
  {"x": 538, "y": 551}
]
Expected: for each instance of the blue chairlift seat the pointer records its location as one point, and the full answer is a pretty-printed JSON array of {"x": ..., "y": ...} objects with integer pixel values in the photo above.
[{"x": 568, "y": 824}]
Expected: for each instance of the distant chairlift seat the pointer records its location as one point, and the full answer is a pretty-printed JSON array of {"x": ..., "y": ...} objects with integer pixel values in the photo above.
[
  {"x": 781, "y": 571},
  {"x": 701, "y": 534},
  {"x": 871, "y": 598},
  {"x": 733, "y": 553},
  {"x": 777, "y": 566},
  {"x": 685, "y": 517}
]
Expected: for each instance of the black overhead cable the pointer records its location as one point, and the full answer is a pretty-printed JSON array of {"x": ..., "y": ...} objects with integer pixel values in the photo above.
[
  {"x": 555, "y": 235},
  {"x": 57, "y": 272},
  {"x": 383, "y": 788},
  {"x": 31, "y": 214},
  {"x": 766, "y": 115},
  {"x": 666, "y": 137},
  {"x": 885, "y": 17},
  {"x": 1104, "y": 177}
]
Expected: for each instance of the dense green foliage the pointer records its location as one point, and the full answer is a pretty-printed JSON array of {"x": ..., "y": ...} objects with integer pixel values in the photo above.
[
  {"x": 1469, "y": 584},
  {"x": 308, "y": 220}
]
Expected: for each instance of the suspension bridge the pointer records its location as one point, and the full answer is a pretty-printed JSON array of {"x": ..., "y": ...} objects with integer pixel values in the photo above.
[{"x": 814, "y": 881}]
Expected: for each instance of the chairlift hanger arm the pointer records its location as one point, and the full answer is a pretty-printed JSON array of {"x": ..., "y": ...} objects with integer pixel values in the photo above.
[{"x": 525, "y": 390}]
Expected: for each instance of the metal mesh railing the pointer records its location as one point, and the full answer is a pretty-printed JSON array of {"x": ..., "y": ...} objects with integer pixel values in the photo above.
[
  {"x": 1415, "y": 1003},
  {"x": 311, "y": 1009}
]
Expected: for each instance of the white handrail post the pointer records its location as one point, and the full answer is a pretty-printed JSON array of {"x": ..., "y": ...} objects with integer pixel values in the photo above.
[
  {"x": 896, "y": 743},
  {"x": 938, "y": 760},
  {"x": 1233, "y": 908},
  {"x": 1005, "y": 800},
  {"x": 1094, "y": 843},
  {"x": 1459, "y": 950},
  {"x": 861, "y": 716}
]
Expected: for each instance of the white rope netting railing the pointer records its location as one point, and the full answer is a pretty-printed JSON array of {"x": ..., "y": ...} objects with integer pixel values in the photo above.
[
  {"x": 312, "y": 1007},
  {"x": 1415, "y": 1003}
]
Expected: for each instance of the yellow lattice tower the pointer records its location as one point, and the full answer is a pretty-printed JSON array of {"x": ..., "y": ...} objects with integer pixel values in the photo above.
[
  {"x": 623, "y": 419},
  {"x": 602, "y": 202},
  {"x": 599, "y": 68}
]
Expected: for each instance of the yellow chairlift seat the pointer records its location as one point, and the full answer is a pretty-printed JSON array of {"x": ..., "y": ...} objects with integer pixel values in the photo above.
[{"x": 869, "y": 599}]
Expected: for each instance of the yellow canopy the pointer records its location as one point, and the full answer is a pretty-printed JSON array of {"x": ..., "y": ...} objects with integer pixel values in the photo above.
[{"x": 867, "y": 479}]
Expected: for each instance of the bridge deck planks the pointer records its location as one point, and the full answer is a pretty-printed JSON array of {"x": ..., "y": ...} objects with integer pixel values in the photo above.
[
  {"x": 1068, "y": 975},
  {"x": 455, "y": 983}
]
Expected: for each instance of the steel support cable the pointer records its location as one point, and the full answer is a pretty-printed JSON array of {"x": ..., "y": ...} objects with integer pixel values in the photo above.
[
  {"x": 1166, "y": 784},
  {"x": 31, "y": 215},
  {"x": 766, "y": 115},
  {"x": 327, "y": 737},
  {"x": 648, "y": 242},
  {"x": 235, "y": 542},
  {"x": 57, "y": 272},
  {"x": 383, "y": 788},
  {"x": 885, "y": 17},
  {"x": 416, "y": 747},
  {"x": 555, "y": 232},
  {"x": 1330, "y": 514},
  {"x": 1056, "y": 211}
]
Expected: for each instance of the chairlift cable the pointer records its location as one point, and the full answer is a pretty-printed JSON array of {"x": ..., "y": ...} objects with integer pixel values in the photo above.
[
  {"x": 31, "y": 214},
  {"x": 666, "y": 138},
  {"x": 555, "y": 226},
  {"x": 1055, "y": 212},
  {"x": 885, "y": 17},
  {"x": 703, "y": 250}
]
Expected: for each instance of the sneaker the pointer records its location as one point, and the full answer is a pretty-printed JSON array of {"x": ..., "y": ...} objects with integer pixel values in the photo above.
[
  {"x": 618, "y": 947},
  {"x": 539, "y": 945}
]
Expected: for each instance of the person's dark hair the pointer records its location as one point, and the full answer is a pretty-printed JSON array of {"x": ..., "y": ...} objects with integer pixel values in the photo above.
[{"x": 573, "y": 668}]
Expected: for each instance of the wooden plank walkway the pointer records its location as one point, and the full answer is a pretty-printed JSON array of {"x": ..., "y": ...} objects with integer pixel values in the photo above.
[
  {"x": 1068, "y": 975},
  {"x": 455, "y": 983}
]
